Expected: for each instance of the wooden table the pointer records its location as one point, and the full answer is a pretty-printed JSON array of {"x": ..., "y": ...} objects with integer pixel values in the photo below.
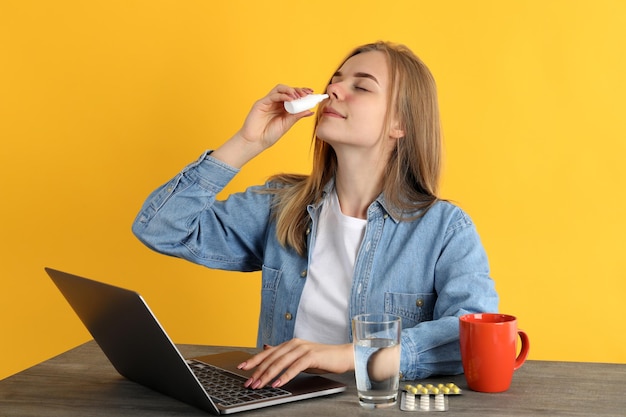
[{"x": 81, "y": 382}]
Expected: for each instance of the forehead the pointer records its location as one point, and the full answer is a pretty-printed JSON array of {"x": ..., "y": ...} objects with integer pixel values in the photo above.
[{"x": 372, "y": 62}]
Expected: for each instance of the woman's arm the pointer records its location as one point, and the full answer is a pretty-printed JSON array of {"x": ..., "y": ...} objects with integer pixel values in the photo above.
[
  {"x": 462, "y": 285},
  {"x": 182, "y": 218}
]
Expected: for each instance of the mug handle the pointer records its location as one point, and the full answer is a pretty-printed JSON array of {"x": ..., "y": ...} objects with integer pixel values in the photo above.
[{"x": 519, "y": 361}]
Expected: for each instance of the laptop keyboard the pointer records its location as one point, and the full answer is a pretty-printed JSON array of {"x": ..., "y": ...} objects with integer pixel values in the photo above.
[{"x": 226, "y": 388}]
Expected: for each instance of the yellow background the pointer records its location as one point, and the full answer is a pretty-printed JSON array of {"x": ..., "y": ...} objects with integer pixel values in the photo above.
[{"x": 101, "y": 101}]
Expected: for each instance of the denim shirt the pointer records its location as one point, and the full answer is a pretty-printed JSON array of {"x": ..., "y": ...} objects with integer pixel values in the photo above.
[{"x": 428, "y": 271}]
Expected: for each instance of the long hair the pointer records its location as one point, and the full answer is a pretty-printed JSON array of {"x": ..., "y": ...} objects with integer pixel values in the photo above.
[{"x": 411, "y": 180}]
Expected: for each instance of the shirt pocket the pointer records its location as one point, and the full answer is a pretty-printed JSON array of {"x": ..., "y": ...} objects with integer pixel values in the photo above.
[
  {"x": 269, "y": 286},
  {"x": 411, "y": 308}
]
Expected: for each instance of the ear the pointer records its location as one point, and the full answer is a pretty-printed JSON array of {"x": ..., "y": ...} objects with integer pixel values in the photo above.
[{"x": 396, "y": 132}]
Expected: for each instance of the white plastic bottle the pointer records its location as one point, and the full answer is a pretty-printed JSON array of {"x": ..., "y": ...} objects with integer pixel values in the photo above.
[{"x": 304, "y": 103}]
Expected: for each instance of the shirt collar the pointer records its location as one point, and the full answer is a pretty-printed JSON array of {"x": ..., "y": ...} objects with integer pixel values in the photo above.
[{"x": 380, "y": 202}]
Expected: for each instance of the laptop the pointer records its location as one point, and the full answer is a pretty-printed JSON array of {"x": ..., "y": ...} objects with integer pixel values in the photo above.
[{"x": 131, "y": 337}]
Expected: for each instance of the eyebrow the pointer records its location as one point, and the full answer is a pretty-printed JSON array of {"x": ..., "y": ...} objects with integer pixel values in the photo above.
[{"x": 359, "y": 75}]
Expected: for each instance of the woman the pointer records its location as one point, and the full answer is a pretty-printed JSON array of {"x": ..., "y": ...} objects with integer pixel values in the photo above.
[{"x": 364, "y": 233}]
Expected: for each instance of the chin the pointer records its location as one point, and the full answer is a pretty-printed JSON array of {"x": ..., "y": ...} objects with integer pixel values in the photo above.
[{"x": 324, "y": 133}]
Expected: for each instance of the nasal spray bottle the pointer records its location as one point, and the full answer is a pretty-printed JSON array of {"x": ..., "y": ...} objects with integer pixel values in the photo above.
[{"x": 304, "y": 103}]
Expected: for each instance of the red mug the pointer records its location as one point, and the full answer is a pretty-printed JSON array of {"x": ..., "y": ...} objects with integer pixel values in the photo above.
[{"x": 488, "y": 350}]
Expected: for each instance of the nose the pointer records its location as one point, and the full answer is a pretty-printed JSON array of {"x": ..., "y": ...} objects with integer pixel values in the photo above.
[{"x": 335, "y": 91}]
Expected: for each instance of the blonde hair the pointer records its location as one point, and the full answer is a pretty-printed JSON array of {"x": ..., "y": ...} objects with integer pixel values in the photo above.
[{"x": 411, "y": 179}]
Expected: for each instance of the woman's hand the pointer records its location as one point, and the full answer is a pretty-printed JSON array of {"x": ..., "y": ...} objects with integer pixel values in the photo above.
[
  {"x": 266, "y": 122},
  {"x": 288, "y": 359}
]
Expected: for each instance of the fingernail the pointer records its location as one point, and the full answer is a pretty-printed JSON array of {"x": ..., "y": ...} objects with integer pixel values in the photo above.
[
  {"x": 256, "y": 384},
  {"x": 276, "y": 383},
  {"x": 241, "y": 365},
  {"x": 248, "y": 382}
]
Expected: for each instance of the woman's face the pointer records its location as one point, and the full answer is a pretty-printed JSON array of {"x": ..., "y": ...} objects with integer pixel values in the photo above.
[{"x": 354, "y": 115}]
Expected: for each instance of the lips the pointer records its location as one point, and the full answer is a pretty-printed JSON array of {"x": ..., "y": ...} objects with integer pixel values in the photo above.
[{"x": 330, "y": 112}]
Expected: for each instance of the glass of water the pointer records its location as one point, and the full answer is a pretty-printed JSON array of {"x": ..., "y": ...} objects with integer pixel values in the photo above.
[{"x": 376, "y": 339}]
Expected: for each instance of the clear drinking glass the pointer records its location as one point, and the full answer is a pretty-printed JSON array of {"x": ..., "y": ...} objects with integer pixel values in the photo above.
[{"x": 376, "y": 339}]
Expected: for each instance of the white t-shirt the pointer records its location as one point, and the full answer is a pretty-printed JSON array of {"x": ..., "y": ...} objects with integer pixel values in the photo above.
[{"x": 323, "y": 310}]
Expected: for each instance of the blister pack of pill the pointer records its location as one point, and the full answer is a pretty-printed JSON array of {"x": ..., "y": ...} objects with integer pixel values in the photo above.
[{"x": 427, "y": 397}]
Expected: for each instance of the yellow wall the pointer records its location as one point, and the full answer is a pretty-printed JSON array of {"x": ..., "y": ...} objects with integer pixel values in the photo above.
[{"x": 103, "y": 100}]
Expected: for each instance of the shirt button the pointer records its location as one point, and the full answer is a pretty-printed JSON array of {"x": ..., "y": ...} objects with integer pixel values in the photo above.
[
  {"x": 287, "y": 316},
  {"x": 419, "y": 302},
  {"x": 303, "y": 274},
  {"x": 170, "y": 189},
  {"x": 308, "y": 230},
  {"x": 385, "y": 216}
]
